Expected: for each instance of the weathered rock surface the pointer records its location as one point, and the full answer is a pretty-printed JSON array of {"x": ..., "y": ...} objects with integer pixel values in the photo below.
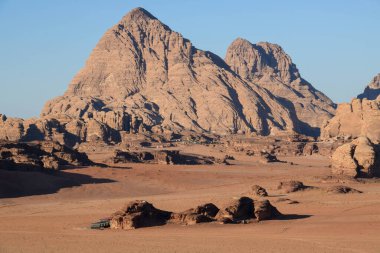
[
  {"x": 342, "y": 189},
  {"x": 372, "y": 91},
  {"x": 161, "y": 157},
  {"x": 360, "y": 117},
  {"x": 265, "y": 211},
  {"x": 360, "y": 158},
  {"x": 44, "y": 156},
  {"x": 257, "y": 190},
  {"x": 138, "y": 214},
  {"x": 270, "y": 67},
  {"x": 288, "y": 145},
  {"x": 292, "y": 186},
  {"x": 142, "y": 76},
  {"x": 239, "y": 210},
  {"x": 200, "y": 214}
]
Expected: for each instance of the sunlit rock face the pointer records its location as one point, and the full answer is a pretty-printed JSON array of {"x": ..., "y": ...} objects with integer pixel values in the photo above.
[{"x": 267, "y": 65}]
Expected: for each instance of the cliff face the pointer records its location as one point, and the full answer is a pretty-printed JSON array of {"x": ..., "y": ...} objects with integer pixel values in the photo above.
[
  {"x": 361, "y": 117},
  {"x": 268, "y": 66}
]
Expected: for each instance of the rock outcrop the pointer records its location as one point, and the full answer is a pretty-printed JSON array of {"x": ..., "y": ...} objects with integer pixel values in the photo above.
[
  {"x": 201, "y": 214},
  {"x": 43, "y": 156},
  {"x": 361, "y": 117},
  {"x": 372, "y": 91},
  {"x": 360, "y": 158},
  {"x": 161, "y": 157},
  {"x": 268, "y": 65},
  {"x": 142, "y": 76},
  {"x": 140, "y": 213},
  {"x": 244, "y": 209}
]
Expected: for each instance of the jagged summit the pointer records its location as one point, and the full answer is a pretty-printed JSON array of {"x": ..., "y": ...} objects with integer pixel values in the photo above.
[
  {"x": 251, "y": 61},
  {"x": 372, "y": 91},
  {"x": 137, "y": 15},
  {"x": 269, "y": 66}
]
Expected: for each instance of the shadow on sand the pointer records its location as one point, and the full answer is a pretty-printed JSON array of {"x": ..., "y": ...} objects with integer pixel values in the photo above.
[
  {"x": 294, "y": 216},
  {"x": 15, "y": 184}
]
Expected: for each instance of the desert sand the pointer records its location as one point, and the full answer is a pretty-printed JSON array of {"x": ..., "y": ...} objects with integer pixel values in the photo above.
[{"x": 58, "y": 220}]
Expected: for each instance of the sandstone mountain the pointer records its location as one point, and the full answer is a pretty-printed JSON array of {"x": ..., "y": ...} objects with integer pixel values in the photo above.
[
  {"x": 268, "y": 66},
  {"x": 372, "y": 91},
  {"x": 142, "y": 69},
  {"x": 360, "y": 117},
  {"x": 144, "y": 77}
]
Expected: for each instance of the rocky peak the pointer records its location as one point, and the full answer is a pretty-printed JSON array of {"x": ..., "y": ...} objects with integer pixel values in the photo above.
[
  {"x": 253, "y": 61},
  {"x": 138, "y": 14},
  {"x": 267, "y": 65},
  {"x": 372, "y": 91}
]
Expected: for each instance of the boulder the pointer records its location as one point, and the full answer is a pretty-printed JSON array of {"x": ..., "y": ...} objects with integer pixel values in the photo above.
[
  {"x": 265, "y": 211},
  {"x": 238, "y": 211},
  {"x": 360, "y": 158},
  {"x": 200, "y": 214},
  {"x": 257, "y": 190},
  {"x": 138, "y": 214},
  {"x": 291, "y": 186}
]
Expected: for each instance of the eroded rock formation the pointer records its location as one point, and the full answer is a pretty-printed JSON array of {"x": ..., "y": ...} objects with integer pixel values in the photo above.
[
  {"x": 161, "y": 157},
  {"x": 268, "y": 65},
  {"x": 140, "y": 213},
  {"x": 43, "y": 156},
  {"x": 361, "y": 117},
  {"x": 360, "y": 158}
]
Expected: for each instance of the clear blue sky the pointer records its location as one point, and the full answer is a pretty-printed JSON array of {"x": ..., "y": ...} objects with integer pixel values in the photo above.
[{"x": 43, "y": 43}]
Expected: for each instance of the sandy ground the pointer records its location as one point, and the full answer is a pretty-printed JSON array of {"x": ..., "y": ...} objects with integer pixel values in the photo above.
[{"x": 57, "y": 218}]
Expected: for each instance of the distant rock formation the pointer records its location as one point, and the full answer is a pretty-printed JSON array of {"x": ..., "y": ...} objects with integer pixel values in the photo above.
[
  {"x": 361, "y": 117},
  {"x": 372, "y": 91},
  {"x": 268, "y": 66},
  {"x": 42, "y": 156}
]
